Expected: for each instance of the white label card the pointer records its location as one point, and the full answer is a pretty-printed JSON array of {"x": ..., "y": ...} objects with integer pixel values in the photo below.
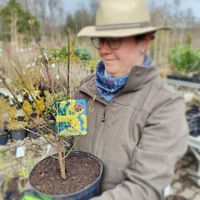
[
  {"x": 48, "y": 148},
  {"x": 20, "y": 152}
]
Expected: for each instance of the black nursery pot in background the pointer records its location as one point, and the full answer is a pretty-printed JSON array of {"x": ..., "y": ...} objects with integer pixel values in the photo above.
[
  {"x": 18, "y": 134},
  {"x": 32, "y": 133},
  {"x": 4, "y": 136},
  {"x": 193, "y": 79},
  {"x": 194, "y": 125},
  {"x": 194, "y": 110}
]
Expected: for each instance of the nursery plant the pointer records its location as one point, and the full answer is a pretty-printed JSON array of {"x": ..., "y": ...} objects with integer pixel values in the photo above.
[
  {"x": 184, "y": 60},
  {"x": 64, "y": 119},
  {"x": 3, "y": 132}
]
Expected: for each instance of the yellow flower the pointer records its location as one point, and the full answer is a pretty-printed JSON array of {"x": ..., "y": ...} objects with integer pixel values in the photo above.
[
  {"x": 23, "y": 172},
  {"x": 39, "y": 105},
  {"x": 27, "y": 107}
]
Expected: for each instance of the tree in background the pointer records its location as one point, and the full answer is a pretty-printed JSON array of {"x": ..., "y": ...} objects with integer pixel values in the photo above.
[
  {"x": 17, "y": 24},
  {"x": 49, "y": 12},
  {"x": 81, "y": 18}
]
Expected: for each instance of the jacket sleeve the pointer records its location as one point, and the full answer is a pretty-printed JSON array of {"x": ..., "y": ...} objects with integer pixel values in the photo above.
[{"x": 163, "y": 142}]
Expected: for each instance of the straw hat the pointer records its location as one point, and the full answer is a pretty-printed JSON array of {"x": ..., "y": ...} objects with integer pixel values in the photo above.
[{"x": 120, "y": 18}]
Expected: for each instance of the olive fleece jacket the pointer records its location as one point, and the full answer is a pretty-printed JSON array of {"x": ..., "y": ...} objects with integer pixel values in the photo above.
[{"x": 139, "y": 136}]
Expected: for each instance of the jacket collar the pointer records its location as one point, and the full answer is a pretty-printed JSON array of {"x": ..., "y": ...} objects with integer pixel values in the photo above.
[{"x": 138, "y": 77}]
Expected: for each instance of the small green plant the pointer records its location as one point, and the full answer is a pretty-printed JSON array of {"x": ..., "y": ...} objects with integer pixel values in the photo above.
[
  {"x": 184, "y": 59},
  {"x": 82, "y": 54}
]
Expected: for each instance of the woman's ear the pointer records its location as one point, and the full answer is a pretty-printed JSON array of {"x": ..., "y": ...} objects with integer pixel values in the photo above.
[{"x": 147, "y": 40}]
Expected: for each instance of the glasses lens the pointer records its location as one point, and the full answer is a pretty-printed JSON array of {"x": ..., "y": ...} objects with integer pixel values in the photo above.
[{"x": 114, "y": 43}]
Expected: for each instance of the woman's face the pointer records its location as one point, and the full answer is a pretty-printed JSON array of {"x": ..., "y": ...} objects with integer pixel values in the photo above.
[{"x": 119, "y": 61}]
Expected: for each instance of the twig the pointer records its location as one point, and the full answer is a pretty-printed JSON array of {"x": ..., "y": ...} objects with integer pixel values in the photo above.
[
  {"x": 76, "y": 139},
  {"x": 27, "y": 88},
  {"x": 68, "y": 61}
]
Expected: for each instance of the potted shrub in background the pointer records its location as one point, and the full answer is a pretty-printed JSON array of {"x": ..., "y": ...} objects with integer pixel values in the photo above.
[
  {"x": 3, "y": 133},
  {"x": 185, "y": 63},
  {"x": 32, "y": 130},
  {"x": 17, "y": 129},
  {"x": 4, "y": 136}
]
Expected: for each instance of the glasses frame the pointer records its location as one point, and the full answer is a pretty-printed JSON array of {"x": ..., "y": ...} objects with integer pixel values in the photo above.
[{"x": 109, "y": 42}]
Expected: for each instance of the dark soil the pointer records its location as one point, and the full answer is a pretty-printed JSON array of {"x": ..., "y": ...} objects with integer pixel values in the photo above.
[
  {"x": 81, "y": 172},
  {"x": 175, "y": 197}
]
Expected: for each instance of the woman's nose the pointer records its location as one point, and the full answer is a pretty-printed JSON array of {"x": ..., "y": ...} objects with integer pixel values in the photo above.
[{"x": 104, "y": 47}]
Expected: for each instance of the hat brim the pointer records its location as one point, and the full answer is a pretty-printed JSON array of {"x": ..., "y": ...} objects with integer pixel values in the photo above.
[{"x": 90, "y": 31}]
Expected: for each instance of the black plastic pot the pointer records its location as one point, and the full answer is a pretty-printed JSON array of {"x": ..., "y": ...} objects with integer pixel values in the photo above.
[
  {"x": 193, "y": 79},
  {"x": 194, "y": 110},
  {"x": 4, "y": 136},
  {"x": 85, "y": 194},
  {"x": 194, "y": 125},
  {"x": 32, "y": 133},
  {"x": 17, "y": 134}
]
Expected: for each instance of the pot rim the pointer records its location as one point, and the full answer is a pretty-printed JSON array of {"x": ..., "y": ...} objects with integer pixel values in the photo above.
[
  {"x": 75, "y": 193},
  {"x": 3, "y": 133}
]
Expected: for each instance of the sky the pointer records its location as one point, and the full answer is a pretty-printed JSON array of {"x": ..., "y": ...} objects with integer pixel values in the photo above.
[{"x": 71, "y": 5}]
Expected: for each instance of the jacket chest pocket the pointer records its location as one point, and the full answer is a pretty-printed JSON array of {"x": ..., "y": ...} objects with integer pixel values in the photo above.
[{"x": 120, "y": 134}]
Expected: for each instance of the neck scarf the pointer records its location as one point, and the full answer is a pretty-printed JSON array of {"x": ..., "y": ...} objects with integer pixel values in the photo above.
[
  {"x": 147, "y": 61},
  {"x": 106, "y": 85}
]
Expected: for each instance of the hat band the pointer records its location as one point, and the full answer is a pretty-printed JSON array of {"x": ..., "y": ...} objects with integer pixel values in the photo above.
[{"x": 122, "y": 26}]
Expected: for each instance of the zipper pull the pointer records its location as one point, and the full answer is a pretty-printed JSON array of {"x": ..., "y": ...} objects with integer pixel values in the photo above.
[{"x": 104, "y": 116}]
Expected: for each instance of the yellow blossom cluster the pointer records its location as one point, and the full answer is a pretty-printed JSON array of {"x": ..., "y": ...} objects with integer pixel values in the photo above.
[
  {"x": 39, "y": 105},
  {"x": 27, "y": 107}
]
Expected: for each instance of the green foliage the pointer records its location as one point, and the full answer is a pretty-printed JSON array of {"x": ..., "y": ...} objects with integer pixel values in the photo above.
[
  {"x": 25, "y": 24},
  {"x": 55, "y": 55},
  {"x": 184, "y": 59},
  {"x": 76, "y": 54},
  {"x": 83, "y": 54},
  {"x": 63, "y": 52}
]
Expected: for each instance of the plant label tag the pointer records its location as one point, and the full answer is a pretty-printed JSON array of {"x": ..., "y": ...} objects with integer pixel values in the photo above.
[
  {"x": 20, "y": 152},
  {"x": 48, "y": 148},
  {"x": 71, "y": 117}
]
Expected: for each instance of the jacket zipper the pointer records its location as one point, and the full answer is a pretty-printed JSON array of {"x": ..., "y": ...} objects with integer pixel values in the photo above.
[
  {"x": 101, "y": 126},
  {"x": 100, "y": 129},
  {"x": 104, "y": 115}
]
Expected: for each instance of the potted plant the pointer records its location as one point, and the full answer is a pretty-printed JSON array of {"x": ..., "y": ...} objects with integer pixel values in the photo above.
[
  {"x": 17, "y": 129},
  {"x": 32, "y": 130},
  {"x": 3, "y": 133},
  {"x": 34, "y": 125},
  {"x": 67, "y": 174},
  {"x": 76, "y": 175},
  {"x": 185, "y": 63}
]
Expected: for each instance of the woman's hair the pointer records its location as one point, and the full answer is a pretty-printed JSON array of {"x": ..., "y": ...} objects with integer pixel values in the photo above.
[{"x": 141, "y": 37}]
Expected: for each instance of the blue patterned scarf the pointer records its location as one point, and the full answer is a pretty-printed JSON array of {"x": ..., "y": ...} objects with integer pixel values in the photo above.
[
  {"x": 108, "y": 86},
  {"x": 147, "y": 61}
]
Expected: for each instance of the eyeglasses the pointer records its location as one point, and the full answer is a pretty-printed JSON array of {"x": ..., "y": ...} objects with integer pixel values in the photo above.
[{"x": 113, "y": 43}]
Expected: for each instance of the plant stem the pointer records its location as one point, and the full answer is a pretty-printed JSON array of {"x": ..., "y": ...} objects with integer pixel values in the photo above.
[
  {"x": 68, "y": 63},
  {"x": 71, "y": 148},
  {"x": 61, "y": 159}
]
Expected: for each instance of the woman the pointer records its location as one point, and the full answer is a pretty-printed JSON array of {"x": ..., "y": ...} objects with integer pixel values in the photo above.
[{"x": 136, "y": 125}]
